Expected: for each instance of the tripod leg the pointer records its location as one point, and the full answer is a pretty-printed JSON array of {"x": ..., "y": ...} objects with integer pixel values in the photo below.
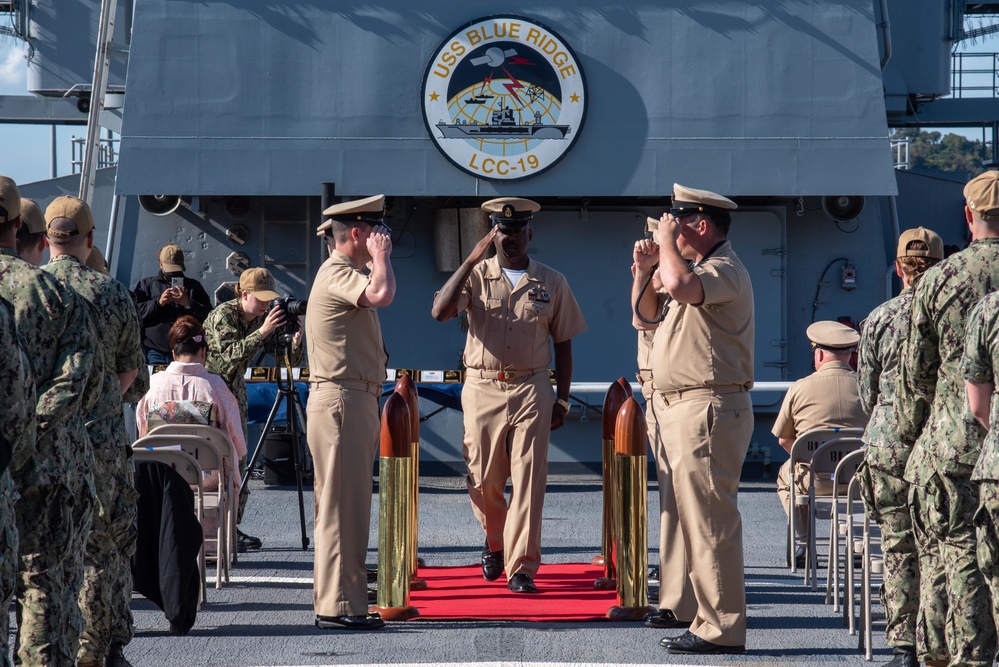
[
  {"x": 293, "y": 420},
  {"x": 263, "y": 436}
]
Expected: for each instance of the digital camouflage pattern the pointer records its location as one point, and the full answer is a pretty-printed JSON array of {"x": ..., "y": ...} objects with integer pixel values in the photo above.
[
  {"x": 111, "y": 542},
  {"x": 232, "y": 345},
  {"x": 56, "y": 483},
  {"x": 877, "y": 375},
  {"x": 981, "y": 358},
  {"x": 986, "y": 527},
  {"x": 17, "y": 427},
  {"x": 931, "y": 409}
]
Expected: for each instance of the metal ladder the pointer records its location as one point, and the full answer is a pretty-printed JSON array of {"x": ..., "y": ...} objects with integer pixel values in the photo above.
[{"x": 98, "y": 92}]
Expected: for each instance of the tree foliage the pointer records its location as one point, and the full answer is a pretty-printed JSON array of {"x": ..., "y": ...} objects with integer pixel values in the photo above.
[{"x": 950, "y": 152}]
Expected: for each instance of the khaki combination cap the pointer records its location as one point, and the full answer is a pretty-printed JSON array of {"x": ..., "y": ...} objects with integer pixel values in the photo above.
[
  {"x": 982, "y": 196},
  {"x": 72, "y": 208},
  {"x": 97, "y": 262},
  {"x": 934, "y": 244},
  {"x": 832, "y": 335},
  {"x": 10, "y": 200},
  {"x": 511, "y": 212},
  {"x": 172, "y": 258},
  {"x": 652, "y": 224},
  {"x": 260, "y": 282},
  {"x": 687, "y": 201},
  {"x": 370, "y": 210},
  {"x": 32, "y": 216}
]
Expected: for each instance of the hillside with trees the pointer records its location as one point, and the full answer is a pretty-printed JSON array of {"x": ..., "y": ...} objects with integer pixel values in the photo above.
[{"x": 933, "y": 151}]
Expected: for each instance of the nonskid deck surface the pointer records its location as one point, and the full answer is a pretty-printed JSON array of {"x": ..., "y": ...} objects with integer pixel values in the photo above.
[{"x": 265, "y": 615}]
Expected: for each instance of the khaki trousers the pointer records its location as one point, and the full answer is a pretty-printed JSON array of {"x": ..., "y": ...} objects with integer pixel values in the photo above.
[
  {"x": 675, "y": 591},
  {"x": 507, "y": 426},
  {"x": 342, "y": 429},
  {"x": 705, "y": 439}
]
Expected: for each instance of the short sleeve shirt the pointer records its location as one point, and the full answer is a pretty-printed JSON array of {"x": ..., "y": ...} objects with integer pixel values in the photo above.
[
  {"x": 344, "y": 339},
  {"x": 512, "y": 327},
  {"x": 825, "y": 399},
  {"x": 710, "y": 344}
]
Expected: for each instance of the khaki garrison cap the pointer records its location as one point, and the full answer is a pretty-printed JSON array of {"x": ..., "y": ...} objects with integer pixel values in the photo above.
[
  {"x": 10, "y": 200},
  {"x": 511, "y": 212},
  {"x": 32, "y": 216},
  {"x": 72, "y": 208},
  {"x": 370, "y": 210},
  {"x": 172, "y": 258},
  {"x": 982, "y": 196},
  {"x": 689, "y": 200},
  {"x": 258, "y": 281},
  {"x": 832, "y": 335},
  {"x": 934, "y": 244}
]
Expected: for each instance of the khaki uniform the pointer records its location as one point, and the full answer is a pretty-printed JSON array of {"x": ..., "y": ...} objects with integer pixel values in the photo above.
[
  {"x": 827, "y": 398},
  {"x": 347, "y": 365},
  {"x": 981, "y": 358},
  {"x": 508, "y": 421},
  {"x": 107, "y": 584},
  {"x": 56, "y": 483},
  {"x": 702, "y": 368},
  {"x": 17, "y": 429},
  {"x": 674, "y": 583},
  {"x": 932, "y": 412}
]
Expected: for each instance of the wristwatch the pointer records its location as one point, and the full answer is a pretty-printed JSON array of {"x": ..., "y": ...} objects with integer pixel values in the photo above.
[{"x": 565, "y": 404}]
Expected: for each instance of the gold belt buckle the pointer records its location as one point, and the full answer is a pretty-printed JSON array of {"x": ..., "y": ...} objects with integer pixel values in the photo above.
[{"x": 505, "y": 375}]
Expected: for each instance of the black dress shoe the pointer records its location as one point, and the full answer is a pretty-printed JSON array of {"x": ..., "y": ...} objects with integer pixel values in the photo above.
[
  {"x": 521, "y": 583},
  {"x": 246, "y": 542},
  {"x": 492, "y": 564},
  {"x": 689, "y": 643},
  {"x": 369, "y": 622},
  {"x": 665, "y": 620}
]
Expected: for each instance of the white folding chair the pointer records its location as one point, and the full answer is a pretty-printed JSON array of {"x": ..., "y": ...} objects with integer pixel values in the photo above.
[
  {"x": 187, "y": 467},
  {"x": 845, "y": 471},
  {"x": 824, "y": 467},
  {"x": 227, "y": 501},
  {"x": 801, "y": 452}
]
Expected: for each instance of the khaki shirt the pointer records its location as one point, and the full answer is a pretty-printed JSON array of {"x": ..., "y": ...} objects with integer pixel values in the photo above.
[
  {"x": 509, "y": 328},
  {"x": 825, "y": 399},
  {"x": 344, "y": 339},
  {"x": 711, "y": 344}
]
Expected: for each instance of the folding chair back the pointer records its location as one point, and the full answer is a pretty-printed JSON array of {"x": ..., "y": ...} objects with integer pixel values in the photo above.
[{"x": 826, "y": 468}]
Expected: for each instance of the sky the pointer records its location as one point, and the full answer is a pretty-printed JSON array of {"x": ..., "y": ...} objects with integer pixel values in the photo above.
[{"x": 34, "y": 143}]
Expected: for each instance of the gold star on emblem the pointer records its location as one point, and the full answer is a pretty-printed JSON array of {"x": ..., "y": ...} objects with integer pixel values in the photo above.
[
  {"x": 433, "y": 97},
  {"x": 574, "y": 97}
]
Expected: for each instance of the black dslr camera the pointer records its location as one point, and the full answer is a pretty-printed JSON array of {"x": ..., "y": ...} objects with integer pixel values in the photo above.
[{"x": 292, "y": 309}]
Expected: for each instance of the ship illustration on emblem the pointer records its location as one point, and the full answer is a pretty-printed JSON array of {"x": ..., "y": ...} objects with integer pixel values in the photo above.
[{"x": 504, "y": 98}]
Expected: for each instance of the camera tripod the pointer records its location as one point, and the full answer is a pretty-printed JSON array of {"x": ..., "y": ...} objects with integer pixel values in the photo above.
[{"x": 296, "y": 426}]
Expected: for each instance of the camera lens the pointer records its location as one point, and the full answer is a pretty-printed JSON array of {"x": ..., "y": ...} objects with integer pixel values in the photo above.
[{"x": 297, "y": 308}]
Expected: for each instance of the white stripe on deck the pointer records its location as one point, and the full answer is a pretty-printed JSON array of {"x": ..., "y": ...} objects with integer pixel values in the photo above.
[
  {"x": 235, "y": 579},
  {"x": 517, "y": 663}
]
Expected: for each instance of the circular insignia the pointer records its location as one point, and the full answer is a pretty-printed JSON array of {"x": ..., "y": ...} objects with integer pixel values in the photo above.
[{"x": 504, "y": 98}]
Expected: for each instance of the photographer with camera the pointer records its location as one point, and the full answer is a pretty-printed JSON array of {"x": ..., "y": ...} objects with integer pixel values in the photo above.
[{"x": 258, "y": 320}]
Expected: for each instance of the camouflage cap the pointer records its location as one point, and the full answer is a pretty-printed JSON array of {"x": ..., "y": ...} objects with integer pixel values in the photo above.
[
  {"x": 258, "y": 281},
  {"x": 832, "y": 335},
  {"x": 982, "y": 196},
  {"x": 97, "y": 262},
  {"x": 10, "y": 200},
  {"x": 32, "y": 216},
  {"x": 72, "y": 208},
  {"x": 934, "y": 244}
]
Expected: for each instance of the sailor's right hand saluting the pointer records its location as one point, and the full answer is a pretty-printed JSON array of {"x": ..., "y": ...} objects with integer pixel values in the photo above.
[{"x": 379, "y": 243}]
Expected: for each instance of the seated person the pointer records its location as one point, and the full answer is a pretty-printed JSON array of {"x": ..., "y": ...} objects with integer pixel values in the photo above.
[
  {"x": 827, "y": 398},
  {"x": 186, "y": 393}
]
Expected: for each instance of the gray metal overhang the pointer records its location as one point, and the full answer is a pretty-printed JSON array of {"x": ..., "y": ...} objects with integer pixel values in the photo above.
[{"x": 772, "y": 98}]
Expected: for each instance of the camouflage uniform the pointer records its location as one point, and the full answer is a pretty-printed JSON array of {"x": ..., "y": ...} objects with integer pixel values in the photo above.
[
  {"x": 885, "y": 492},
  {"x": 107, "y": 585},
  {"x": 981, "y": 358},
  {"x": 232, "y": 344},
  {"x": 56, "y": 483},
  {"x": 932, "y": 413},
  {"x": 17, "y": 428}
]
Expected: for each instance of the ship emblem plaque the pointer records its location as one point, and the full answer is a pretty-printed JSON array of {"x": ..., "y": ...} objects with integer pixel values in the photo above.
[{"x": 504, "y": 98}]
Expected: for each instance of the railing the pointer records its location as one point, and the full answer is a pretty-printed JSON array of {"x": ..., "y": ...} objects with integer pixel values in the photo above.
[
  {"x": 107, "y": 153},
  {"x": 900, "y": 152},
  {"x": 974, "y": 75}
]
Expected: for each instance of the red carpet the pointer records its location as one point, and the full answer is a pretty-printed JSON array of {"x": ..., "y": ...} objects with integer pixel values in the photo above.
[{"x": 565, "y": 593}]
